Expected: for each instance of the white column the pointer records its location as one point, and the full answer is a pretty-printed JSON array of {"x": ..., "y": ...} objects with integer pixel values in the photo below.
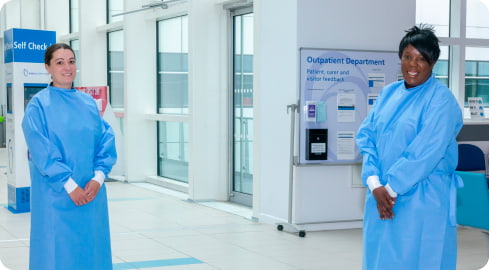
[
  {"x": 140, "y": 144},
  {"x": 56, "y": 11},
  {"x": 275, "y": 86},
  {"x": 29, "y": 14},
  {"x": 93, "y": 46},
  {"x": 208, "y": 101}
]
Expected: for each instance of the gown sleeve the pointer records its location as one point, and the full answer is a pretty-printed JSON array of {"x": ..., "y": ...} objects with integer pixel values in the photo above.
[
  {"x": 442, "y": 120},
  {"x": 105, "y": 155},
  {"x": 366, "y": 143},
  {"x": 43, "y": 153}
]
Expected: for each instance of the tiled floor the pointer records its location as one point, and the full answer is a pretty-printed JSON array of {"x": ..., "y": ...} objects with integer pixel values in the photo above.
[{"x": 155, "y": 228}]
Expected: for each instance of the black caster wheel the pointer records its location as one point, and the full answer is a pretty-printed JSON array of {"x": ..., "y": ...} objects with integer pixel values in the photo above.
[
  {"x": 280, "y": 227},
  {"x": 302, "y": 233}
]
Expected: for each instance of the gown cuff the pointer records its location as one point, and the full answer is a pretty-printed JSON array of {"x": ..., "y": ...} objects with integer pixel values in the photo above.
[
  {"x": 70, "y": 185},
  {"x": 392, "y": 193},
  {"x": 373, "y": 182},
  {"x": 99, "y": 177}
]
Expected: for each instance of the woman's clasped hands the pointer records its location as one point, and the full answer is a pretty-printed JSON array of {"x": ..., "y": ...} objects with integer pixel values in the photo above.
[
  {"x": 385, "y": 203},
  {"x": 84, "y": 196}
]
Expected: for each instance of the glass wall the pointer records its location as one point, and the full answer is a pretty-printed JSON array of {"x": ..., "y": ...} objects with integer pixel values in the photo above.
[
  {"x": 440, "y": 23},
  {"x": 75, "y": 45},
  {"x": 173, "y": 150},
  {"x": 114, "y": 7},
  {"x": 441, "y": 68},
  {"x": 476, "y": 52},
  {"x": 463, "y": 28},
  {"x": 477, "y": 73},
  {"x": 477, "y": 23},
  {"x": 243, "y": 104},
  {"x": 435, "y": 13},
  {"x": 172, "y": 97},
  {"x": 173, "y": 66},
  {"x": 115, "y": 68},
  {"x": 74, "y": 16}
]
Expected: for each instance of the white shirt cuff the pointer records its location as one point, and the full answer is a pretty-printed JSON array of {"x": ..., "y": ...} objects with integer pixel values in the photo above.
[
  {"x": 392, "y": 193},
  {"x": 373, "y": 182},
  {"x": 70, "y": 185},
  {"x": 99, "y": 177}
]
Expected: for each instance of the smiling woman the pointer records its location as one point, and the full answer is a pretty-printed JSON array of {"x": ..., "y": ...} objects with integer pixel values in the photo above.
[
  {"x": 409, "y": 147},
  {"x": 71, "y": 151}
]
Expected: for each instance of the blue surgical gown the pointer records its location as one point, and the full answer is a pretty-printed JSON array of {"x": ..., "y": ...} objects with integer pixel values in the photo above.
[
  {"x": 409, "y": 140},
  {"x": 67, "y": 137}
]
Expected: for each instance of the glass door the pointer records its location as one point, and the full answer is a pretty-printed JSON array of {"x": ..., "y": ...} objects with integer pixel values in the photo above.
[{"x": 242, "y": 108}]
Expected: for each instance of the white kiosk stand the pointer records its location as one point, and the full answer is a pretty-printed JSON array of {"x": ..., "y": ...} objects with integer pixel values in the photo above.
[{"x": 25, "y": 76}]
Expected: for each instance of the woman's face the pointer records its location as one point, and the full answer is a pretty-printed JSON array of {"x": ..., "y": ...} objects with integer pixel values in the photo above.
[
  {"x": 62, "y": 68},
  {"x": 415, "y": 68}
]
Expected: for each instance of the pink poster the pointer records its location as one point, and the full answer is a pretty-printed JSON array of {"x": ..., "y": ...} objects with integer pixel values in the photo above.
[{"x": 99, "y": 93}]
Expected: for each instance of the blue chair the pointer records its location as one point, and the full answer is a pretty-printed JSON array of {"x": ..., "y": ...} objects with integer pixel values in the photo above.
[
  {"x": 470, "y": 158},
  {"x": 473, "y": 198},
  {"x": 473, "y": 201}
]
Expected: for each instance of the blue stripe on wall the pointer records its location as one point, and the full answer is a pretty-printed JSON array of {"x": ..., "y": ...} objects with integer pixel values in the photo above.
[{"x": 155, "y": 263}]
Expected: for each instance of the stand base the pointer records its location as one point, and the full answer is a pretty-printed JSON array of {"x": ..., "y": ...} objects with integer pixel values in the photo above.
[{"x": 291, "y": 229}]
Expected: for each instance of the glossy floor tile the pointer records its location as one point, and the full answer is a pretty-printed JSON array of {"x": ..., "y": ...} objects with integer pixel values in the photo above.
[{"x": 156, "y": 228}]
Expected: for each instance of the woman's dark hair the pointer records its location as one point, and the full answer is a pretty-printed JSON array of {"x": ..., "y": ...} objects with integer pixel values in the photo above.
[
  {"x": 422, "y": 38},
  {"x": 48, "y": 55}
]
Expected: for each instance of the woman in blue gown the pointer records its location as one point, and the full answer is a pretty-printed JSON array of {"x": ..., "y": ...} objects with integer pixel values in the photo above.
[
  {"x": 71, "y": 151},
  {"x": 410, "y": 153}
]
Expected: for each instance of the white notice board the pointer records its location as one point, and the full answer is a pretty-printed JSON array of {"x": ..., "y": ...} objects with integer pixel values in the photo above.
[{"x": 337, "y": 88}]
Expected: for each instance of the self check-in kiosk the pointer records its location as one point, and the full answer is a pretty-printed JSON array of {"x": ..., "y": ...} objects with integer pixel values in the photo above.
[{"x": 25, "y": 76}]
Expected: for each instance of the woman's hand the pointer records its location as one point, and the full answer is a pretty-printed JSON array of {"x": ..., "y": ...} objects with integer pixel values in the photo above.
[
  {"x": 91, "y": 189},
  {"x": 385, "y": 203},
  {"x": 79, "y": 196},
  {"x": 83, "y": 196}
]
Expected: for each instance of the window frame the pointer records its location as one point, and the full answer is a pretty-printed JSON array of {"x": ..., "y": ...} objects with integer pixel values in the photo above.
[
  {"x": 183, "y": 119},
  {"x": 109, "y": 70}
]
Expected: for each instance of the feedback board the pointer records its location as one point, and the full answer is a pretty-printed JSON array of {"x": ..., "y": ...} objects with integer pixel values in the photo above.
[{"x": 337, "y": 88}]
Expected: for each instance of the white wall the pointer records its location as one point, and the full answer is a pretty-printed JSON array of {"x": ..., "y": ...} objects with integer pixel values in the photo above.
[{"x": 323, "y": 194}]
